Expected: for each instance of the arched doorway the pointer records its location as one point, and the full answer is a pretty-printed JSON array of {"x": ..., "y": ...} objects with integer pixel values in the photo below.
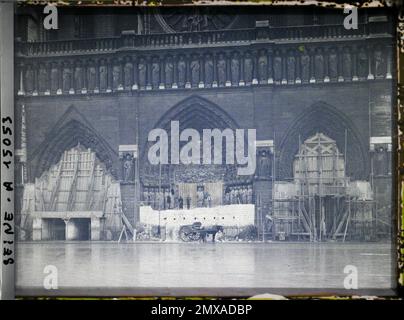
[{"x": 195, "y": 184}]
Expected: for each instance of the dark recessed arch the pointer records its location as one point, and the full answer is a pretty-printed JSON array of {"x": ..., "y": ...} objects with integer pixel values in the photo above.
[
  {"x": 197, "y": 113},
  {"x": 323, "y": 118},
  {"x": 71, "y": 130}
]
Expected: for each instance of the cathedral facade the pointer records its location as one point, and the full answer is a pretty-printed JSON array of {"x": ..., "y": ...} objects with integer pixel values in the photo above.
[{"x": 319, "y": 96}]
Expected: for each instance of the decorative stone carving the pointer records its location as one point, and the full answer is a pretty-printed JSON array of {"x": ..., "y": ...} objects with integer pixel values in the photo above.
[
  {"x": 128, "y": 73},
  {"x": 155, "y": 72},
  {"x": 195, "y": 71},
  {"x": 182, "y": 71},
  {"x": 262, "y": 66},
  {"x": 248, "y": 68},
  {"x": 333, "y": 64},
  {"x": 169, "y": 71},
  {"x": 208, "y": 70},
  {"x": 235, "y": 69},
  {"x": 319, "y": 64},
  {"x": 221, "y": 69},
  {"x": 142, "y": 71}
]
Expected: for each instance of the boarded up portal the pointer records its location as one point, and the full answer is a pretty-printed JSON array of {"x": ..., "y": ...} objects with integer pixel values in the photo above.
[{"x": 77, "y": 190}]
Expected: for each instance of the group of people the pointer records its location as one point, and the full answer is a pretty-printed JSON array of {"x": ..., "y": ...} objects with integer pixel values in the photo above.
[
  {"x": 170, "y": 198},
  {"x": 165, "y": 199},
  {"x": 238, "y": 194}
]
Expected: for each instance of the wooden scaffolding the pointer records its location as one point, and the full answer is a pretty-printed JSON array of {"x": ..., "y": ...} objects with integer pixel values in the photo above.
[{"x": 320, "y": 202}]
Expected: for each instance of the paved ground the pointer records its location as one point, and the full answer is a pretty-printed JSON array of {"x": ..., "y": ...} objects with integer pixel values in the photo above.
[{"x": 109, "y": 268}]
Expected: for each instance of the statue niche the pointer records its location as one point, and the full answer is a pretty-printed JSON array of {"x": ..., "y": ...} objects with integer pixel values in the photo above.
[
  {"x": 42, "y": 78},
  {"x": 195, "y": 71},
  {"x": 127, "y": 168},
  {"x": 127, "y": 73},
  {"x": 29, "y": 79},
  {"x": 277, "y": 66},
  {"x": 78, "y": 76},
  {"x": 264, "y": 169},
  {"x": 333, "y": 64},
  {"x": 208, "y": 70},
  {"x": 169, "y": 71},
  {"x": 319, "y": 65},
  {"x": 248, "y": 68},
  {"x": 235, "y": 69},
  {"x": 116, "y": 75},
  {"x": 262, "y": 66},
  {"x": 221, "y": 69},
  {"x": 346, "y": 64},
  {"x": 363, "y": 63},
  {"x": 305, "y": 66},
  {"x": 91, "y": 76},
  {"x": 54, "y": 77},
  {"x": 103, "y": 70},
  {"x": 155, "y": 72},
  {"x": 182, "y": 71},
  {"x": 291, "y": 67}
]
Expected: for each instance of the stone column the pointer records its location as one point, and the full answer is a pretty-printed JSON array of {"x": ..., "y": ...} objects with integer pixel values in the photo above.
[
  {"x": 95, "y": 229},
  {"x": 37, "y": 229}
]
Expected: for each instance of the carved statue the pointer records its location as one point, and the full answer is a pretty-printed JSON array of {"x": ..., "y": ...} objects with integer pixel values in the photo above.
[
  {"x": 103, "y": 75},
  {"x": 248, "y": 68},
  {"x": 128, "y": 73},
  {"x": 208, "y": 70},
  {"x": 116, "y": 75},
  {"x": 142, "y": 69},
  {"x": 277, "y": 66},
  {"x": 54, "y": 77},
  {"x": 319, "y": 64},
  {"x": 346, "y": 63},
  {"x": 155, "y": 72},
  {"x": 291, "y": 65},
  {"x": 127, "y": 167},
  {"x": 380, "y": 65},
  {"x": 29, "y": 79},
  {"x": 305, "y": 66},
  {"x": 78, "y": 76},
  {"x": 235, "y": 69},
  {"x": 91, "y": 77},
  {"x": 169, "y": 71},
  {"x": 221, "y": 69},
  {"x": 363, "y": 63},
  {"x": 182, "y": 71},
  {"x": 333, "y": 64},
  {"x": 264, "y": 165},
  {"x": 195, "y": 22},
  {"x": 195, "y": 68},
  {"x": 42, "y": 78},
  {"x": 262, "y": 66}
]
